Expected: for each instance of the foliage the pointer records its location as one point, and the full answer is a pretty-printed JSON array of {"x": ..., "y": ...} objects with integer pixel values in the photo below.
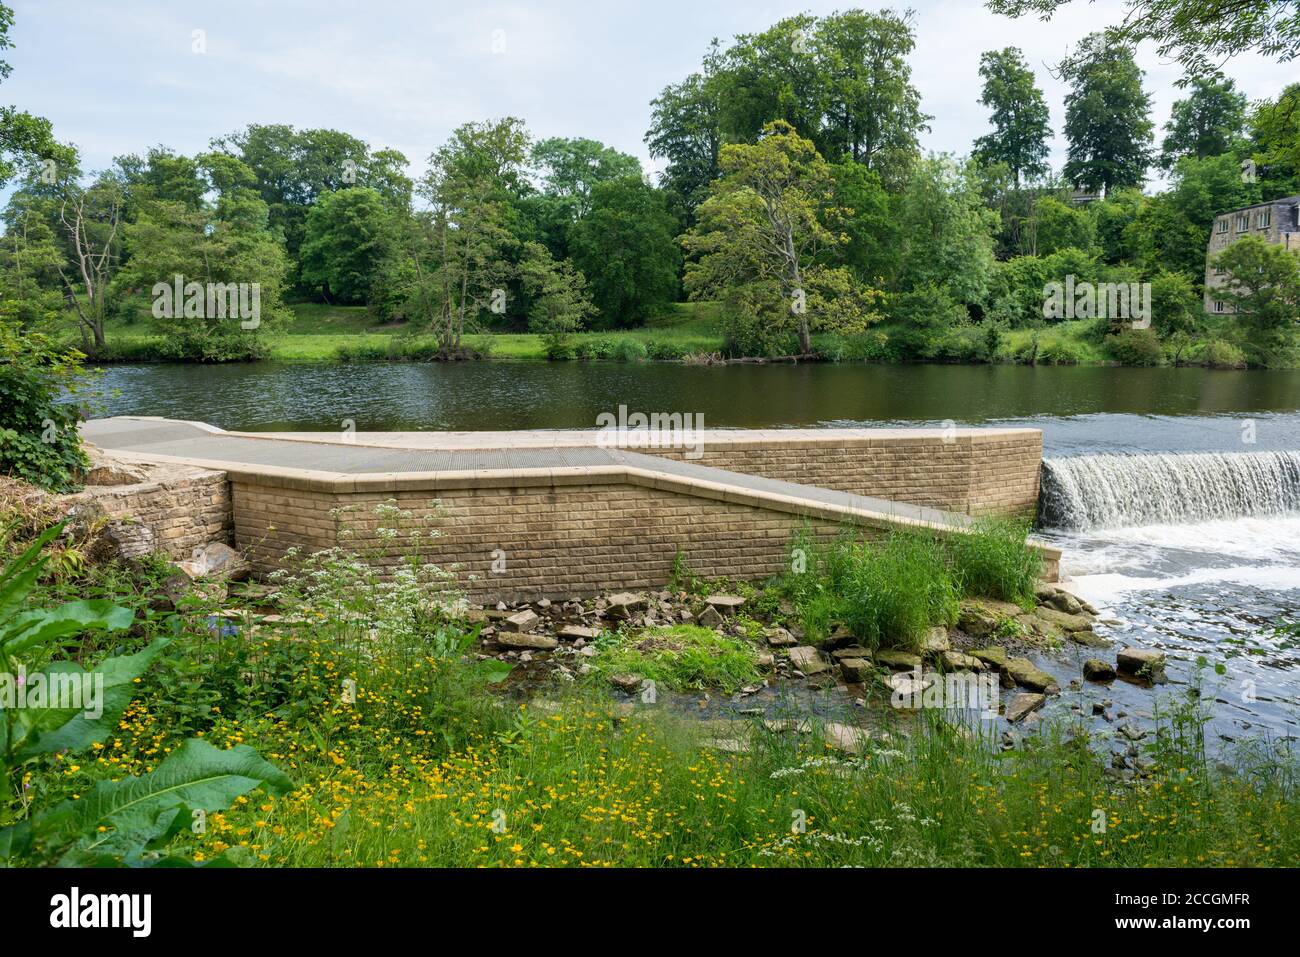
[
  {"x": 1209, "y": 122},
  {"x": 626, "y": 248},
  {"x": 1106, "y": 117},
  {"x": 992, "y": 560},
  {"x": 560, "y": 305},
  {"x": 118, "y": 821},
  {"x": 1199, "y": 35},
  {"x": 39, "y": 441},
  {"x": 1262, "y": 288},
  {"x": 347, "y": 236},
  {"x": 679, "y": 657},
  {"x": 1019, "y": 116}
]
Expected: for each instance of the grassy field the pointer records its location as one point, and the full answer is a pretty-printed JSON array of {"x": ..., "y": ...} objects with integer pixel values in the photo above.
[{"x": 322, "y": 333}]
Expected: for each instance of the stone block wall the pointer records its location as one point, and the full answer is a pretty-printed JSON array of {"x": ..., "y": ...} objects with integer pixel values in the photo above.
[
  {"x": 992, "y": 472},
  {"x": 547, "y": 540},
  {"x": 176, "y": 510}
]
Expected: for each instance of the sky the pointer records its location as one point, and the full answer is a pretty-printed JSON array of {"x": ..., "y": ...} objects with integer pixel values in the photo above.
[{"x": 119, "y": 76}]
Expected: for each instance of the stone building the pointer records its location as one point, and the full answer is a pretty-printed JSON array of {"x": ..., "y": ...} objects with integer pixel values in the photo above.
[{"x": 1277, "y": 221}]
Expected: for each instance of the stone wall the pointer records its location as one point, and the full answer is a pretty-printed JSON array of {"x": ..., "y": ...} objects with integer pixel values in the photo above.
[
  {"x": 993, "y": 472},
  {"x": 175, "y": 510},
  {"x": 553, "y": 540}
]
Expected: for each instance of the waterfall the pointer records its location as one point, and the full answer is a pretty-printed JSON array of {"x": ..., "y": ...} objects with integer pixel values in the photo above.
[{"x": 1109, "y": 491}]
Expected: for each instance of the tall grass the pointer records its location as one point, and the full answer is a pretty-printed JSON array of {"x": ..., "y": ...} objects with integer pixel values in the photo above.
[
  {"x": 993, "y": 560},
  {"x": 889, "y": 592}
]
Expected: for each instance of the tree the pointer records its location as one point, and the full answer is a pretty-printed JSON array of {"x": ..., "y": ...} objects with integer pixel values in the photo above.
[
  {"x": 470, "y": 187},
  {"x": 945, "y": 232},
  {"x": 760, "y": 235},
  {"x": 560, "y": 305},
  {"x": 872, "y": 112},
  {"x": 626, "y": 247},
  {"x": 211, "y": 279},
  {"x": 1263, "y": 289},
  {"x": 1175, "y": 311},
  {"x": 1171, "y": 229},
  {"x": 1106, "y": 117},
  {"x": 347, "y": 235},
  {"x": 1061, "y": 226},
  {"x": 571, "y": 168},
  {"x": 1019, "y": 115},
  {"x": 1209, "y": 122},
  {"x": 91, "y": 219},
  {"x": 1200, "y": 34},
  {"x": 1275, "y": 142},
  {"x": 685, "y": 130},
  {"x": 293, "y": 168}
]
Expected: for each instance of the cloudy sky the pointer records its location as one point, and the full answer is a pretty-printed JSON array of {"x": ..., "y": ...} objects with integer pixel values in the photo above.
[{"x": 117, "y": 76}]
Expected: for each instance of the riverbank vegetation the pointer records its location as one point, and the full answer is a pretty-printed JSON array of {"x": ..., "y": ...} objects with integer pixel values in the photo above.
[
  {"x": 802, "y": 218},
  {"x": 347, "y": 723}
]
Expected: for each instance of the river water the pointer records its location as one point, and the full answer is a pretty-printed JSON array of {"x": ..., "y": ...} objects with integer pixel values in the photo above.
[{"x": 1198, "y": 553}]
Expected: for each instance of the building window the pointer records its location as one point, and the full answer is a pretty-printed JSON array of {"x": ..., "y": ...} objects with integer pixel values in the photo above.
[
  {"x": 1243, "y": 222},
  {"x": 1218, "y": 270},
  {"x": 1223, "y": 225},
  {"x": 1218, "y": 305},
  {"x": 1264, "y": 219}
]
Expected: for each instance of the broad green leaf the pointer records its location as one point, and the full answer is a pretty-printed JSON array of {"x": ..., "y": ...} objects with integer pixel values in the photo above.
[
  {"x": 42, "y": 731},
  {"x": 20, "y": 575},
  {"x": 197, "y": 775},
  {"x": 43, "y": 625}
]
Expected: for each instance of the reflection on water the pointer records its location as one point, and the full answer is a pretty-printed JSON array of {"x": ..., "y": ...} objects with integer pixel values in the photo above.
[{"x": 492, "y": 395}]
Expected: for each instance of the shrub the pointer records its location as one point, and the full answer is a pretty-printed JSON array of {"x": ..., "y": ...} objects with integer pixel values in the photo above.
[
  {"x": 1136, "y": 347},
  {"x": 665, "y": 351},
  {"x": 1223, "y": 355},
  {"x": 39, "y": 442},
  {"x": 994, "y": 561},
  {"x": 629, "y": 350},
  {"x": 1059, "y": 352}
]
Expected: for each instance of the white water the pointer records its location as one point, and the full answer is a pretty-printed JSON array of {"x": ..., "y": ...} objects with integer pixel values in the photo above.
[
  {"x": 1115, "y": 491},
  {"x": 1195, "y": 554}
]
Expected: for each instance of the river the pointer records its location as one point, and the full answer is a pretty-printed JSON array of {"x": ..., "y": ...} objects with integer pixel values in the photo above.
[{"x": 1201, "y": 577}]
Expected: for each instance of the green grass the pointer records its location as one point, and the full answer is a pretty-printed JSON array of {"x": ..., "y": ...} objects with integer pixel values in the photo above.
[
  {"x": 992, "y": 561},
  {"x": 680, "y": 658},
  {"x": 425, "y": 765},
  {"x": 889, "y": 592}
]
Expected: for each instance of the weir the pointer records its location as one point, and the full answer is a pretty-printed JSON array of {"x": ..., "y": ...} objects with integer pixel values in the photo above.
[
  {"x": 528, "y": 514},
  {"x": 1111, "y": 491}
]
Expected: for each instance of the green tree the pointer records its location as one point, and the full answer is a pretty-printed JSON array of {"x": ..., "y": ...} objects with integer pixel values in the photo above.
[
  {"x": 39, "y": 442},
  {"x": 560, "y": 304},
  {"x": 1275, "y": 143},
  {"x": 1209, "y": 122},
  {"x": 460, "y": 259},
  {"x": 232, "y": 272},
  {"x": 1200, "y": 34},
  {"x": 626, "y": 247},
  {"x": 1062, "y": 226},
  {"x": 760, "y": 236},
  {"x": 347, "y": 235},
  {"x": 1019, "y": 116},
  {"x": 1262, "y": 288},
  {"x": 871, "y": 111},
  {"x": 945, "y": 233},
  {"x": 1175, "y": 312},
  {"x": 571, "y": 168},
  {"x": 685, "y": 130},
  {"x": 293, "y": 168},
  {"x": 1107, "y": 119}
]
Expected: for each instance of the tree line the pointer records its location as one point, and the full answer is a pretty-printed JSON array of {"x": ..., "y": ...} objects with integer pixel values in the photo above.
[{"x": 794, "y": 193}]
